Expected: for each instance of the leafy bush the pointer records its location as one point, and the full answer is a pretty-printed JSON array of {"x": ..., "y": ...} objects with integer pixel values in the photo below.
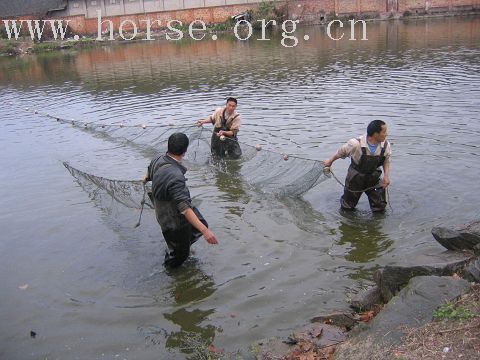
[
  {"x": 452, "y": 312},
  {"x": 8, "y": 48},
  {"x": 266, "y": 10},
  {"x": 3, "y": 32}
]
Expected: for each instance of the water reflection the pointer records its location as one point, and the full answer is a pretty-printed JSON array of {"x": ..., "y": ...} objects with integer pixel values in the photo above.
[
  {"x": 229, "y": 181},
  {"x": 365, "y": 236},
  {"x": 305, "y": 217},
  {"x": 205, "y": 65},
  {"x": 190, "y": 285}
]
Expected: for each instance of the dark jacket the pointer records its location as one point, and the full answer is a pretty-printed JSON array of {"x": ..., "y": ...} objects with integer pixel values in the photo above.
[{"x": 171, "y": 196}]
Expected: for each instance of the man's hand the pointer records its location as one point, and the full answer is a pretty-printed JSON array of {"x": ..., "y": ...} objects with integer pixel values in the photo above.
[
  {"x": 327, "y": 163},
  {"x": 145, "y": 179},
  {"x": 210, "y": 237},
  {"x": 386, "y": 181},
  {"x": 200, "y": 122},
  {"x": 192, "y": 218}
]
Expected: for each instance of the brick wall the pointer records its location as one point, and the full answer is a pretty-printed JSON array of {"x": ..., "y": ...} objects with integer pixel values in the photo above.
[
  {"x": 83, "y": 18},
  {"x": 437, "y": 5},
  {"x": 80, "y": 24}
]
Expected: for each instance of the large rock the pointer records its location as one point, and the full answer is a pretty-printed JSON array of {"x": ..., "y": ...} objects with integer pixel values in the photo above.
[
  {"x": 463, "y": 237},
  {"x": 366, "y": 300},
  {"x": 340, "y": 319},
  {"x": 412, "y": 307},
  {"x": 476, "y": 249},
  {"x": 472, "y": 271},
  {"x": 392, "y": 278}
]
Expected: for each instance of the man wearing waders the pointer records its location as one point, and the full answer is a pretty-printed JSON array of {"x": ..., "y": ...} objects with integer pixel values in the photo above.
[
  {"x": 181, "y": 222},
  {"x": 368, "y": 153},
  {"x": 226, "y": 122}
]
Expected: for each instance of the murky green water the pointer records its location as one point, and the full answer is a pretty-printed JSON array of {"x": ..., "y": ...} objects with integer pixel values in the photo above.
[{"x": 97, "y": 287}]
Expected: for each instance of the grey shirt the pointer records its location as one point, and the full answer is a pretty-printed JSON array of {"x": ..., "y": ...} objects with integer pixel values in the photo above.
[{"x": 170, "y": 192}]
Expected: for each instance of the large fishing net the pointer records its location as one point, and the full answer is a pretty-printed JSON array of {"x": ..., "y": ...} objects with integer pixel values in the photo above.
[
  {"x": 131, "y": 194},
  {"x": 263, "y": 170}
]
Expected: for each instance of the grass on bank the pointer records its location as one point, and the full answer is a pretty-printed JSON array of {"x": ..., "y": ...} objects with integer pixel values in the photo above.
[{"x": 27, "y": 46}]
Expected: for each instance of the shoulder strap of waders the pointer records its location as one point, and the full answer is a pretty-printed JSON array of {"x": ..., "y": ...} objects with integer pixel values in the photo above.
[{"x": 385, "y": 144}]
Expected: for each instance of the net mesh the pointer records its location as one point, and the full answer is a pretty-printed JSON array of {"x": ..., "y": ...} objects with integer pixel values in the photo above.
[
  {"x": 263, "y": 170},
  {"x": 129, "y": 193}
]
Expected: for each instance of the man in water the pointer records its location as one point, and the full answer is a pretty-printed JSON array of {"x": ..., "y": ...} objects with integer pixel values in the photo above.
[
  {"x": 181, "y": 223},
  {"x": 226, "y": 122},
  {"x": 368, "y": 153}
]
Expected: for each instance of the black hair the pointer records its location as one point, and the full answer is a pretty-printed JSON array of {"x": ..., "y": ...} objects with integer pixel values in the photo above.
[
  {"x": 178, "y": 144},
  {"x": 232, "y": 99},
  {"x": 375, "y": 127}
]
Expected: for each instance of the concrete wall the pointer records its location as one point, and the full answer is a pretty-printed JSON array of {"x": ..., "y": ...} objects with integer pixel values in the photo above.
[{"x": 113, "y": 8}]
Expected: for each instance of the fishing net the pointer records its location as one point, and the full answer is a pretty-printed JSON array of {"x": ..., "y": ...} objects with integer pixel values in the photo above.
[
  {"x": 118, "y": 199},
  {"x": 263, "y": 170},
  {"x": 129, "y": 193}
]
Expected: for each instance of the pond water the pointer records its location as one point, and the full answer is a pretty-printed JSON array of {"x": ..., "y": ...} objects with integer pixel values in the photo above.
[{"x": 93, "y": 287}]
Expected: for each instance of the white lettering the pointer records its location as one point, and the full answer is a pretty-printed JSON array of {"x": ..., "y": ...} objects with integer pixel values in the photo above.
[
  {"x": 329, "y": 31},
  {"x": 178, "y": 31},
  {"x": 250, "y": 30},
  {"x": 352, "y": 29},
  {"x": 100, "y": 25},
  {"x": 264, "y": 27},
  {"x": 16, "y": 29},
  {"x": 149, "y": 28},
  {"x": 284, "y": 28},
  {"x": 59, "y": 29},
  {"x": 120, "y": 29},
  {"x": 35, "y": 31},
  {"x": 191, "y": 29}
]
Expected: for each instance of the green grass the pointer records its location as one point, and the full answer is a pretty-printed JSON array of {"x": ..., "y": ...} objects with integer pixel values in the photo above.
[
  {"x": 8, "y": 48},
  {"x": 43, "y": 47},
  {"x": 451, "y": 312}
]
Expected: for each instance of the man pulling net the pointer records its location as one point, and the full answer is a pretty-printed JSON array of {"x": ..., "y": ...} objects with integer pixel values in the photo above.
[
  {"x": 181, "y": 222},
  {"x": 368, "y": 154},
  {"x": 226, "y": 122}
]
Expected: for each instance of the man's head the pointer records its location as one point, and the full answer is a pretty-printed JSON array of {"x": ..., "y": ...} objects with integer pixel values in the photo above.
[
  {"x": 177, "y": 144},
  {"x": 377, "y": 129},
  {"x": 231, "y": 105}
]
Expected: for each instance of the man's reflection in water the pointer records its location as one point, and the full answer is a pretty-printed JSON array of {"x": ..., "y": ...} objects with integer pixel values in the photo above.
[
  {"x": 189, "y": 286},
  {"x": 228, "y": 180},
  {"x": 365, "y": 236}
]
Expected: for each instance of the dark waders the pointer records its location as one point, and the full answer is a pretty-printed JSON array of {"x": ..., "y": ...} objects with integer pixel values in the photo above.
[
  {"x": 180, "y": 240},
  {"x": 365, "y": 175},
  {"x": 229, "y": 147}
]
